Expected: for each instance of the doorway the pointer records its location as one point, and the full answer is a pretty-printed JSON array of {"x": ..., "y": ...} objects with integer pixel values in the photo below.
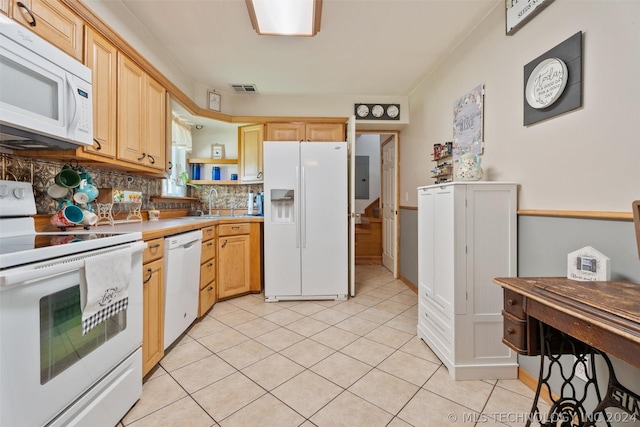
[{"x": 377, "y": 211}]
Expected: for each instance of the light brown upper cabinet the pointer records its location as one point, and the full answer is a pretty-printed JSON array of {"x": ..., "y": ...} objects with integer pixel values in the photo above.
[
  {"x": 250, "y": 153},
  {"x": 4, "y": 6},
  {"x": 325, "y": 132},
  {"x": 53, "y": 22},
  {"x": 305, "y": 132},
  {"x": 141, "y": 116},
  {"x": 101, "y": 57}
]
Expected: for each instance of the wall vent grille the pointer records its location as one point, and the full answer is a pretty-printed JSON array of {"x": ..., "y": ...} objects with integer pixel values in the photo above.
[{"x": 244, "y": 88}]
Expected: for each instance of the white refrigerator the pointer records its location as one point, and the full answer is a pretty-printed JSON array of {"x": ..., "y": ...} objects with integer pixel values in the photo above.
[{"x": 305, "y": 220}]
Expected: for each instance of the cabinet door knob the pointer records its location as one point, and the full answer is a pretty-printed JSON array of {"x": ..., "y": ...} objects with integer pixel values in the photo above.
[
  {"x": 511, "y": 331},
  {"x": 143, "y": 156},
  {"x": 150, "y": 273},
  {"x": 224, "y": 244},
  {"x": 511, "y": 302}
]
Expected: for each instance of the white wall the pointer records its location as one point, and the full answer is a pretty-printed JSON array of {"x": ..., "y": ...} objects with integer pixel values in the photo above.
[
  {"x": 118, "y": 17},
  {"x": 587, "y": 159},
  {"x": 369, "y": 145}
]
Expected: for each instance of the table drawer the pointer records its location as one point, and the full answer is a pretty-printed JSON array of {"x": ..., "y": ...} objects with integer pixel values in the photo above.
[
  {"x": 514, "y": 333},
  {"x": 154, "y": 250},
  {"x": 208, "y": 233},
  {"x": 207, "y": 272},
  {"x": 233, "y": 229},
  {"x": 513, "y": 304},
  {"x": 208, "y": 251},
  {"x": 207, "y": 298}
]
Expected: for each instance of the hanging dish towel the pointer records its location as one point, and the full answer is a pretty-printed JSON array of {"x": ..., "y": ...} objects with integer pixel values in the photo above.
[{"x": 106, "y": 283}]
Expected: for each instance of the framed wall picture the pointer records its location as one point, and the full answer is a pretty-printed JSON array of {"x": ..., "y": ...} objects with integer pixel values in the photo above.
[
  {"x": 214, "y": 101},
  {"x": 553, "y": 82},
  {"x": 217, "y": 151},
  {"x": 468, "y": 123},
  {"x": 519, "y": 12}
]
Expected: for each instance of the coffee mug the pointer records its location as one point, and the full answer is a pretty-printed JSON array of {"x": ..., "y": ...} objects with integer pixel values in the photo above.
[
  {"x": 89, "y": 218},
  {"x": 81, "y": 198},
  {"x": 57, "y": 192},
  {"x": 68, "y": 178},
  {"x": 67, "y": 216},
  {"x": 154, "y": 214},
  {"x": 89, "y": 190}
]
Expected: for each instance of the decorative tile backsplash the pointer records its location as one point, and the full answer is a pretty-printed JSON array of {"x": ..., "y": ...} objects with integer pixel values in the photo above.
[{"x": 41, "y": 174}]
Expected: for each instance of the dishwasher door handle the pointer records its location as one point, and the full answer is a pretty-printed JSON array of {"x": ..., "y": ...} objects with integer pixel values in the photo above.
[{"x": 190, "y": 244}]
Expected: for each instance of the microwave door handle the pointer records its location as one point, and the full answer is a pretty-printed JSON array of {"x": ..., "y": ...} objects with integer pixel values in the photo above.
[{"x": 73, "y": 91}]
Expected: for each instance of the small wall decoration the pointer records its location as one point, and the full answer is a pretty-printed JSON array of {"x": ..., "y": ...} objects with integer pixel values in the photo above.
[
  {"x": 377, "y": 111},
  {"x": 214, "y": 101},
  {"x": 553, "y": 81},
  {"x": 467, "y": 123},
  {"x": 519, "y": 12},
  {"x": 588, "y": 265},
  {"x": 217, "y": 151}
]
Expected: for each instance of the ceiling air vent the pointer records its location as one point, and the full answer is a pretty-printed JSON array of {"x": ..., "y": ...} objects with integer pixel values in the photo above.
[{"x": 244, "y": 88}]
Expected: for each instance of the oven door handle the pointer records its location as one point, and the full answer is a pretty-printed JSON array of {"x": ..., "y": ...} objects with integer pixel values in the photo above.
[
  {"x": 55, "y": 268},
  {"x": 9, "y": 279}
]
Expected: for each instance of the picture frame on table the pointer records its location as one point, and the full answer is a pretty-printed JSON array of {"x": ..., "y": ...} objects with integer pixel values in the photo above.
[
  {"x": 214, "y": 101},
  {"x": 217, "y": 151}
]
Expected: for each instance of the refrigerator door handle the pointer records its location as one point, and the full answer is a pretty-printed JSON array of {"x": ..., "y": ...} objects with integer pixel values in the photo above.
[
  {"x": 303, "y": 208},
  {"x": 296, "y": 209}
]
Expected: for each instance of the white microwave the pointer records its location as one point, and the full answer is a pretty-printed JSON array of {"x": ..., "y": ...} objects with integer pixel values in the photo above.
[{"x": 45, "y": 94}]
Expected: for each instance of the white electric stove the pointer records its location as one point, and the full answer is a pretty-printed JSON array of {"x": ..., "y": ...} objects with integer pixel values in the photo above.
[{"x": 51, "y": 371}]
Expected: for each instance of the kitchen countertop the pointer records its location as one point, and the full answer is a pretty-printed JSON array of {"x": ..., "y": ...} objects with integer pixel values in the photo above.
[{"x": 168, "y": 227}]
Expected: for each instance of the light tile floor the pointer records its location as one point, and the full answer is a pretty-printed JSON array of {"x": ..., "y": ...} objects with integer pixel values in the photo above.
[{"x": 324, "y": 363}]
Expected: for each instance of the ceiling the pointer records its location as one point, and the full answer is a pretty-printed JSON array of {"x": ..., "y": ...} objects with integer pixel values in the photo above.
[{"x": 364, "y": 47}]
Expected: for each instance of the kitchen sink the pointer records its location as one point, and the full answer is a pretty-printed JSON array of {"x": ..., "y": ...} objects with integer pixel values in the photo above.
[{"x": 205, "y": 217}]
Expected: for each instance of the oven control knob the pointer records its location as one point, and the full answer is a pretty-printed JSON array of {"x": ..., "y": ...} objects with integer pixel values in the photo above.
[
  {"x": 4, "y": 191},
  {"x": 18, "y": 193}
]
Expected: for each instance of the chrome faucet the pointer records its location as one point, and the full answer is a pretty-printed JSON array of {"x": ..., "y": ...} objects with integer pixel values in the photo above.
[{"x": 213, "y": 190}]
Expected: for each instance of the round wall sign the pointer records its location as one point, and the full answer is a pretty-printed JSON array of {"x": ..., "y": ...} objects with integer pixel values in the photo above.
[{"x": 546, "y": 83}]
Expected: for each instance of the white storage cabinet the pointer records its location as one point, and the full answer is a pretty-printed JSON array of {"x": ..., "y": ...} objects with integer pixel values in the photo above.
[{"x": 467, "y": 235}]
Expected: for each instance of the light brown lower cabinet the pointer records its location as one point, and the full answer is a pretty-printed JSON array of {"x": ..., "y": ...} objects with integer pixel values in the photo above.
[
  {"x": 234, "y": 259},
  {"x": 153, "y": 314},
  {"x": 207, "y": 271}
]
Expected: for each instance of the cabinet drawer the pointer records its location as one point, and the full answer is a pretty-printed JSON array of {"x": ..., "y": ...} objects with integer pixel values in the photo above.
[
  {"x": 233, "y": 229},
  {"x": 513, "y": 302},
  {"x": 208, "y": 233},
  {"x": 154, "y": 250},
  {"x": 435, "y": 320},
  {"x": 207, "y": 298},
  {"x": 208, "y": 251},
  {"x": 207, "y": 272},
  {"x": 514, "y": 333}
]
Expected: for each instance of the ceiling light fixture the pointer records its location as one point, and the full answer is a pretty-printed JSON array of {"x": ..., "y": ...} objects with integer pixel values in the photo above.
[{"x": 285, "y": 17}]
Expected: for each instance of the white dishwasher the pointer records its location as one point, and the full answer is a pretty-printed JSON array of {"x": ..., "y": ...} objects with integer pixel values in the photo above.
[{"x": 181, "y": 283}]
